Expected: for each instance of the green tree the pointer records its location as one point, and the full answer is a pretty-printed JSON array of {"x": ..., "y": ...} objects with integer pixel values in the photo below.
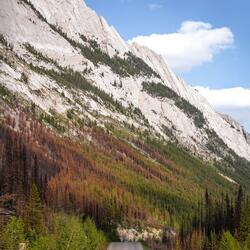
[
  {"x": 247, "y": 243},
  {"x": 238, "y": 210},
  {"x": 33, "y": 214},
  {"x": 213, "y": 241},
  {"x": 12, "y": 234},
  {"x": 228, "y": 242},
  {"x": 69, "y": 234},
  {"x": 95, "y": 239},
  {"x": 229, "y": 215},
  {"x": 244, "y": 228}
]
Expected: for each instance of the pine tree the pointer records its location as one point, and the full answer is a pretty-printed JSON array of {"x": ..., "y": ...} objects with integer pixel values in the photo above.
[
  {"x": 69, "y": 233},
  {"x": 228, "y": 219},
  {"x": 244, "y": 228},
  {"x": 95, "y": 239},
  {"x": 228, "y": 242},
  {"x": 33, "y": 214},
  {"x": 247, "y": 243},
  {"x": 238, "y": 208},
  {"x": 208, "y": 213},
  {"x": 213, "y": 242}
]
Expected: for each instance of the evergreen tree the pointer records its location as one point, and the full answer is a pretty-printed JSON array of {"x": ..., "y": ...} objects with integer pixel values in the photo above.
[
  {"x": 244, "y": 228},
  {"x": 209, "y": 217},
  {"x": 213, "y": 242},
  {"x": 228, "y": 242},
  {"x": 238, "y": 207},
  {"x": 95, "y": 239},
  {"x": 247, "y": 243},
  {"x": 69, "y": 233},
  {"x": 228, "y": 215},
  {"x": 33, "y": 214}
]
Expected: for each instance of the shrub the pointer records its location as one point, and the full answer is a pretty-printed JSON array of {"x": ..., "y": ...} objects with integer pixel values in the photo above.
[{"x": 12, "y": 234}]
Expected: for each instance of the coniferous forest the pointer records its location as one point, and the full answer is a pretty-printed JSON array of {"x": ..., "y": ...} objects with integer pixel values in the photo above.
[{"x": 61, "y": 192}]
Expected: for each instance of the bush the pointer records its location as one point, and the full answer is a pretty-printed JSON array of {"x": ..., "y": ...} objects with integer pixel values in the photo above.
[
  {"x": 12, "y": 234},
  {"x": 43, "y": 242}
]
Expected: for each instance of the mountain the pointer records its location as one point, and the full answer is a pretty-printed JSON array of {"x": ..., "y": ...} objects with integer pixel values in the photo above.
[
  {"x": 60, "y": 30},
  {"x": 99, "y": 124}
]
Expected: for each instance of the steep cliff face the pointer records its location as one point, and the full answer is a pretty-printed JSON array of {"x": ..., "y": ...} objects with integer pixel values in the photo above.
[
  {"x": 248, "y": 138},
  {"x": 236, "y": 126},
  {"x": 55, "y": 34}
]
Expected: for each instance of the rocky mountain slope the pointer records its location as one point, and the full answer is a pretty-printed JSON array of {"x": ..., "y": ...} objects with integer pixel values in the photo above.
[
  {"x": 248, "y": 138},
  {"x": 105, "y": 129},
  {"x": 66, "y": 60}
]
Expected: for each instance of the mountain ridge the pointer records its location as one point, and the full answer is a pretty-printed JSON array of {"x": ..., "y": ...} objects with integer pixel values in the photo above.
[{"x": 56, "y": 25}]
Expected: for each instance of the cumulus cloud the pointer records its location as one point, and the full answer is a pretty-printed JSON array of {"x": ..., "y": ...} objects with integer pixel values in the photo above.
[
  {"x": 155, "y": 6},
  {"x": 232, "y": 97},
  {"x": 232, "y": 101},
  {"x": 192, "y": 45}
]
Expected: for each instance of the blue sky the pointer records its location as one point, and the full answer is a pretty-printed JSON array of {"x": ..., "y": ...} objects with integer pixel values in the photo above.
[{"x": 221, "y": 64}]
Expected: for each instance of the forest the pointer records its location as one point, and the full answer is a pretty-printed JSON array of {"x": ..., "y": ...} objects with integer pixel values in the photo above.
[{"x": 108, "y": 177}]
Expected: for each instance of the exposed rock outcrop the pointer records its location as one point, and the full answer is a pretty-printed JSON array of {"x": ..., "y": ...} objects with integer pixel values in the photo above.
[{"x": 59, "y": 30}]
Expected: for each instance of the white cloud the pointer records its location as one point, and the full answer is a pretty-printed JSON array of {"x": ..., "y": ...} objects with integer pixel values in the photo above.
[
  {"x": 233, "y": 97},
  {"x": 155, "y": 6},
  {"x": 192, "y": 45},
  {"x": 232, "y": 101}
]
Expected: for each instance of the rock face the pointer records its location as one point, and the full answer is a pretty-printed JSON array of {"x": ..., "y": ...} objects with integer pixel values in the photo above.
[
  {"x": 248, "y": 138},
  {"x": 68, "y": 32},
  {"x": 6, "y": 214}
]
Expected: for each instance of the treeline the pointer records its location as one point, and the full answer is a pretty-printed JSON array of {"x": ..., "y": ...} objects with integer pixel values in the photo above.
[
  {"x": 222, "y": 225},
  {"x": 38, "y": 228}
]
